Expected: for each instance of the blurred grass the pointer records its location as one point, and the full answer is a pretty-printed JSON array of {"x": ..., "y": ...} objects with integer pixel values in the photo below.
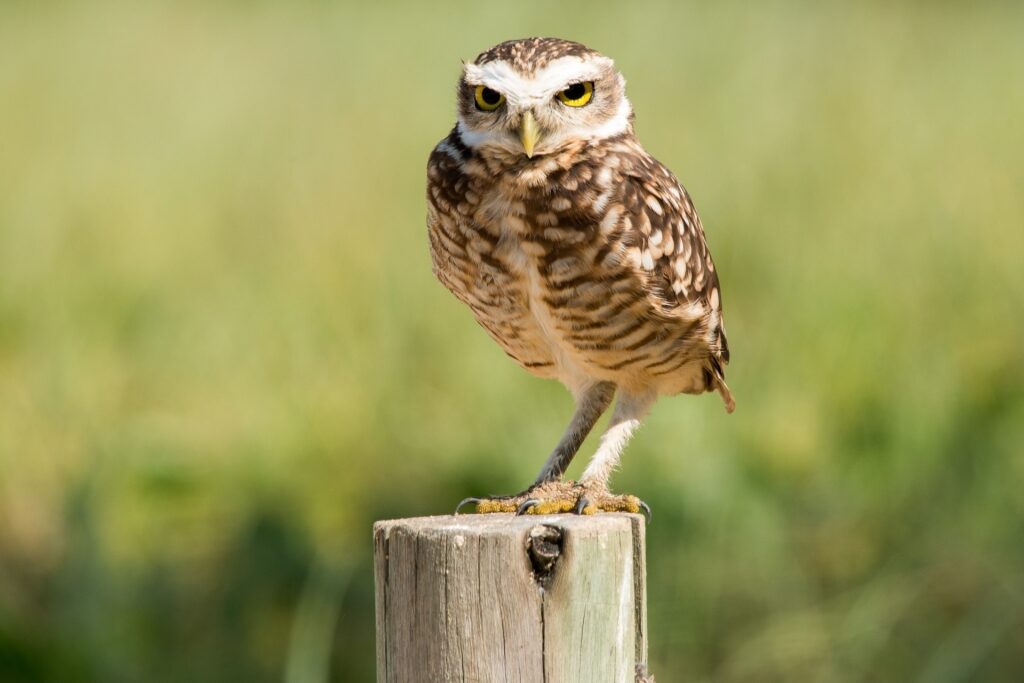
[{"x": 223, "y": 355}]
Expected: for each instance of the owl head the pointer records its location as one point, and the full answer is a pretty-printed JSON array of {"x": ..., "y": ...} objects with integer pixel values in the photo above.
[{"x": 535, "y": 96}]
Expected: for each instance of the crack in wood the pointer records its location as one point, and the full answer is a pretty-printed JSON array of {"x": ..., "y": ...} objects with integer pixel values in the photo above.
[{"x": 544, "y": 545}]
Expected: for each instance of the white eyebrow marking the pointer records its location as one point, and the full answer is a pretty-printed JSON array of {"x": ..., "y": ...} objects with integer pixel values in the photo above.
[{"x": 521, "y": 90}]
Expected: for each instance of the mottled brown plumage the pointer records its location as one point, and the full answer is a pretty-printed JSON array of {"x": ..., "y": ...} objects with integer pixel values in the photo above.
[{"x": 584, "y": 260}]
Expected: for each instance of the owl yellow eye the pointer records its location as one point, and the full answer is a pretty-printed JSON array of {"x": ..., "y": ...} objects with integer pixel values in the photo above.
[
  {"x": 577, "y": 94},
  {"x": 487, "y": 99}
]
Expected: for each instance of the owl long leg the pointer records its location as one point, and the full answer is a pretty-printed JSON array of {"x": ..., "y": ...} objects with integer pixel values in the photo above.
[
  {"x": 590, "y": 494},
  {"x": 591, "y": 403},
  {"x": 629, "y": 412}
]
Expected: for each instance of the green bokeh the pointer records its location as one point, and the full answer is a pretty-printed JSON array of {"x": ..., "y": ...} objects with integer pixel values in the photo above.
[{"x": 223, "y": 354}]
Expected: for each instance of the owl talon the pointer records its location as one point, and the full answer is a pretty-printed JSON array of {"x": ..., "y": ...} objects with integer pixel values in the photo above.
[
  {"x": 525, "y": 506},
  {"x": 467, "y": 501},
  {"x": 581, "y": 505},
  {"x": 646, "y": 510}
]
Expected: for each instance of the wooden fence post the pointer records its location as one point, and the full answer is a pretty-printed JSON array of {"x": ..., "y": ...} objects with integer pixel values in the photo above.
[{"x": 531, "y": 599}]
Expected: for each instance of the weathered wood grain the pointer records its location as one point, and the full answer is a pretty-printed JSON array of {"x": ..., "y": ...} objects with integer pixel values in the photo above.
[{"x": 532, "y": 599}]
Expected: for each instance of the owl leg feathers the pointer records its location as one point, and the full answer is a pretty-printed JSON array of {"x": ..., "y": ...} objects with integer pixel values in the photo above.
[{"x": 629, "y": 412}]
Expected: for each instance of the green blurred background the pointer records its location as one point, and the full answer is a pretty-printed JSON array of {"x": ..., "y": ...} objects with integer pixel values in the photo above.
[{"x": 223, "y": 355}]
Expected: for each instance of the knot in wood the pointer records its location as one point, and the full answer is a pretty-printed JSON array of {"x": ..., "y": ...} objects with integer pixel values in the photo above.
[{"x": 544, "y": 546}]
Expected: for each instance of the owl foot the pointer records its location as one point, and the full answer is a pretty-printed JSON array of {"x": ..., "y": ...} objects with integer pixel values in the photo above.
[{"x": 560, "y": 496}]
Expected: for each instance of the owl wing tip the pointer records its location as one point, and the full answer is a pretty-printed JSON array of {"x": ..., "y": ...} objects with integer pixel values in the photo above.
[
  {"x": 730, "y": 402},
  {"x": 718, "y": 379}
]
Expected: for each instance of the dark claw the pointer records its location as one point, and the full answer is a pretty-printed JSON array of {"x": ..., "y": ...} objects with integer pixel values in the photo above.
[
  {"x": 647, "y": 511},
  {"x": 525, "y": 506},
  {"x": 467, "y": 501},
  {"x": 581, "y": 505}
]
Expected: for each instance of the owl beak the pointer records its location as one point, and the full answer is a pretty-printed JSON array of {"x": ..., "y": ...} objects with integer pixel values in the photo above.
[{"x": 529, "y": 133}]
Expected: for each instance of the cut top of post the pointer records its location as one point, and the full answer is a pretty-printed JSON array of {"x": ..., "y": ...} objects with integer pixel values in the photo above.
[{"x": 498, "y": 597}]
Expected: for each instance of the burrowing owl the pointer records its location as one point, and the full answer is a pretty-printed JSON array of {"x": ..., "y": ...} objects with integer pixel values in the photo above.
[{"x": 578, "y": 252}]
